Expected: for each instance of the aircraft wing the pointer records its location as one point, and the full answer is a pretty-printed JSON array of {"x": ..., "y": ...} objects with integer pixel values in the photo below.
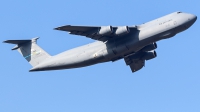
[
  {"x": 90, "y": 31},
  {"x": 135, "y": 64}
]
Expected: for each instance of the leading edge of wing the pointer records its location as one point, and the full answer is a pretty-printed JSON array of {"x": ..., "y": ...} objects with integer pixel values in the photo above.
[{"x": 70, "y": 28}]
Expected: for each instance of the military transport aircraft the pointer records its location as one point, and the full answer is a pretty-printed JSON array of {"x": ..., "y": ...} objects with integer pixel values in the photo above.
[{"x": 135, "y": 44}]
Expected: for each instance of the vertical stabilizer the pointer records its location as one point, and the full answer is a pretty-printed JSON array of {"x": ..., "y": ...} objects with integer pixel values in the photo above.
[{"x": 30, "y": 50}]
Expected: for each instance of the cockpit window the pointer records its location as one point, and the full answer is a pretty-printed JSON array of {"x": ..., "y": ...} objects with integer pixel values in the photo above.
[{"x": 179, "y": 12}]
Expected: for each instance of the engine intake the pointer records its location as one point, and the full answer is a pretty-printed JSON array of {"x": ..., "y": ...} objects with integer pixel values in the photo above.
[
  {"x": 149, "y": 55},
  {"x": 122, "y": 30},
  {"x": 105, "y": 30}
]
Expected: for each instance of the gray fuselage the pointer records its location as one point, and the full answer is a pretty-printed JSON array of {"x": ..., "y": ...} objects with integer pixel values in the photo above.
[{"x": 117, "y": 48}]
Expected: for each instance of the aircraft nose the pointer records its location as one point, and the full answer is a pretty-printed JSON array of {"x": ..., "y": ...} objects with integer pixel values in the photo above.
[{"x": 192, "y": 18}]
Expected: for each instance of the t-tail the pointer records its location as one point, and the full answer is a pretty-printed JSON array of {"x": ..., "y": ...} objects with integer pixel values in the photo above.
[{"x": 30, "y": 50}]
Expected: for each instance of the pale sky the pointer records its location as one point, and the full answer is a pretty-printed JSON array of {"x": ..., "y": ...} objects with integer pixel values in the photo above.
[{"x": 168, "y": 83}]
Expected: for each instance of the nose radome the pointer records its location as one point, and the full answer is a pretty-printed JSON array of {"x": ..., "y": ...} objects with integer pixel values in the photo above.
[{"x": 192, "y": 17}]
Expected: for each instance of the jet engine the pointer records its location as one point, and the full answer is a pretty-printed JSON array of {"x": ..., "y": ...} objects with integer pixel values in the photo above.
[
  {"x": 105, "y": 30},
  {"x": 149, "y": 47},
  {"x": 149, "y": 55},
  {"x": 122, "y": 30}
]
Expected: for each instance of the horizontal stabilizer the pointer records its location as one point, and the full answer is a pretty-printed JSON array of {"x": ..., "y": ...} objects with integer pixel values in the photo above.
[{"x": 17, "y": 41}]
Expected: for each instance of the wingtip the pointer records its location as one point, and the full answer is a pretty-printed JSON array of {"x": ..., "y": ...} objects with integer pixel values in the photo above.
[
  {"x": 56, "y": 28},
  {"x": 60, "y": 27},
  {"x": 6, "y": 41}
]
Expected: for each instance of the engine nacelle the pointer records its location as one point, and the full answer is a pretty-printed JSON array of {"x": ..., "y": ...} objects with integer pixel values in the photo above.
[
  {"x": 122, "y": 30},
  {"x": 149, "y": 47},
  {"x": 105, "y": 30},
  {"x": 149, "y": 55}
]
